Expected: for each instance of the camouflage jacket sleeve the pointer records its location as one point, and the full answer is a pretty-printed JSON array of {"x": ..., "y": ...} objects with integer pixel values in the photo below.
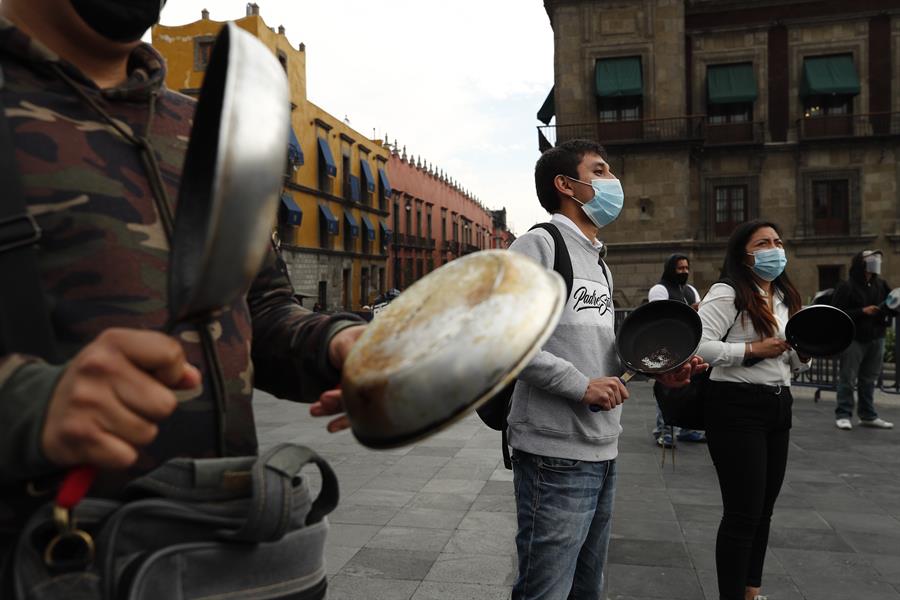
[
  {"x": 290, "y": 343},
  {"x": 26, "y": 386}
]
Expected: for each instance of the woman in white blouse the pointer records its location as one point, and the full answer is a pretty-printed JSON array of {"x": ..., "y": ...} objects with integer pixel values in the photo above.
[{"x": 748, "y": 407}]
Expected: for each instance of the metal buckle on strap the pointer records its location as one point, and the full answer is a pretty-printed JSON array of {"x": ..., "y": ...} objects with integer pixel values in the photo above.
[{"x": 17, "y": 231}]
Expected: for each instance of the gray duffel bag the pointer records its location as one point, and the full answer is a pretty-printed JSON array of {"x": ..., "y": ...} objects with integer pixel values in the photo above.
[{"x": 225, "y": 528}]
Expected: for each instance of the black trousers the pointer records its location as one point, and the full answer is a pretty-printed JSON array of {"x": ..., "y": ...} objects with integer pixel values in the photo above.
[{"x": 748, "y": 429}]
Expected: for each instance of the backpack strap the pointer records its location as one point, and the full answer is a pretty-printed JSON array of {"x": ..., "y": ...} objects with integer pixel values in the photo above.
[
  {"x": 562, "y": 262},
  {"x": 24, "y": 319}
]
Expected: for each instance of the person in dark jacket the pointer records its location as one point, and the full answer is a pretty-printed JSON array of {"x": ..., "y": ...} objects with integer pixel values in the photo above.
[
  {"x": 861, "y": 297},
  {"x": 673, "y": 285},
  {"x": 124, "y": 397}
]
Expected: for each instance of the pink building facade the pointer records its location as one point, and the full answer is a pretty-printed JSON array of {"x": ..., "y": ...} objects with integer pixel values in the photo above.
[{"x": 434, "y": 220}]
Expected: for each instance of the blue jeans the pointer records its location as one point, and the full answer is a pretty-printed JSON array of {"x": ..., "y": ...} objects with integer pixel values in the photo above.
[
  {"x": 860, "y": 366},
  {"x": 564, "y": 510}
]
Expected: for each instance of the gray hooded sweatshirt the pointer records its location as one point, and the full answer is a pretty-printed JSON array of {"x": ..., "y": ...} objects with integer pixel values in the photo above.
[{"x": 547, "y": 417}]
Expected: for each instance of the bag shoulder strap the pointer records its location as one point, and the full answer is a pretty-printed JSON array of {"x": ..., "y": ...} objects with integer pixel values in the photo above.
[
  {"x": 562, "y": 262},
  {"x": 24, "y": 319}
]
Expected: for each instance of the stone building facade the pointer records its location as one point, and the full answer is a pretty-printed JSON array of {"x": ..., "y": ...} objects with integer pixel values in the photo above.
[
  {"x": 333, "y": 219},
  {"x": 718, "y": 111}
]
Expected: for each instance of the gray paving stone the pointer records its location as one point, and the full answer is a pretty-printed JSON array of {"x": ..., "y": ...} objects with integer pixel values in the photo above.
[
  {"x": 501, "y": 488},
  {"x": 439, "y": 590},
  {"x": 825, "y": 587},
  {"x": 449, "y": 450},
  {"x": 362, "y": 515},
  {"x": 648, "y": 553},
  {"x": 495, "y": 503},
  {"x": 807, "y": 538},
  {"x": 445, "y": 501},
  {"x": 698, "y": 512},
  {"x": 873, "y": 543},
  {"x": 375, "y": 497},
  {"x": 642, "y": 529},
  {"x": 337, "y": 556},
  {"x": 809, "y": 562},
  {"x": 473, "y": 541},
  {"x": 427, "y": 518},
  {"x": 490, "y": 523},
  {"x": 852, "y": 521},
  {"x": 473, "y": 568},
  {"x": 654, "y": 582},
  {"x": 390, "y": 564},
  {"x": 342, "y": 587},
  {"x": 351, "y": 534},
  {"x": 454, "y": 486},
  {"x": 798, "y": 518},
  {"x": 410, "y": 538}
]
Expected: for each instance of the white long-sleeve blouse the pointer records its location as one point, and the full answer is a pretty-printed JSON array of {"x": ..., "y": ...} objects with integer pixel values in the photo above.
[{"x": 718, "y": 313}]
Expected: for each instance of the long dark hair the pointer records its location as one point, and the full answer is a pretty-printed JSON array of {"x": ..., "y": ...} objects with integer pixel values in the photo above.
[{"x": 746, "y": 297}]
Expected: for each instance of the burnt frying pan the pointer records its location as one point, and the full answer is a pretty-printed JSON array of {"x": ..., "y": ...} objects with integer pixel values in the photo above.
[
  {"x": 820, "y": 330},
  {"x": 658, "y": 337},
  {"x": 228, "y": 196}
]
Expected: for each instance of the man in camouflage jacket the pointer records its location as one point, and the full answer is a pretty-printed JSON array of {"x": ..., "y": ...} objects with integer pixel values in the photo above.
[{"x": 125, "y": 397}]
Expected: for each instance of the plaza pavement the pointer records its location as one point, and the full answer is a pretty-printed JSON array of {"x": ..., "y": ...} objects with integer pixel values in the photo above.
[{"x": 436, "y": 520}]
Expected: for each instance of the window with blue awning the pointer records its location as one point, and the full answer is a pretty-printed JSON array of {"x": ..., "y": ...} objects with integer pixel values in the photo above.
[
  {"x": 295, "y": 152},
  {"x": 350, "y": 224},
  {"x": 367, "y": 177},
  {"x": 370, "y": 229},
  {"x": 289, "y": 212},
  {"x": 385, "y": 183},
  {"x": 385, "y": 233},
  {"x": 354, "y": 188},
  {"x": 331, "y": 222},
  {"x": 326, "y": 158}
]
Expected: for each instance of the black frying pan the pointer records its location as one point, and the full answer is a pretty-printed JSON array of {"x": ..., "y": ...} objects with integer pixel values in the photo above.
[
  {"x": 820, "y": 330},
  {"x": 656, "y": 338}
]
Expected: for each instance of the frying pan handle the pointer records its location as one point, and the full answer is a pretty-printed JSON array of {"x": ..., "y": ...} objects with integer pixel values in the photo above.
[{"x": 625, "y": 378}]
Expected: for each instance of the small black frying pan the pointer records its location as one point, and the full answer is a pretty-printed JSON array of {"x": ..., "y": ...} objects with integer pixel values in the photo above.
[
  {"x": 820, "y": 330},
  {"x": 656, "y": 338}
]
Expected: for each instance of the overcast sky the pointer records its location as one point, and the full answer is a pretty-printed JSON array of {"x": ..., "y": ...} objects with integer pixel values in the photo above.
[{"x": 458, "y": 83}]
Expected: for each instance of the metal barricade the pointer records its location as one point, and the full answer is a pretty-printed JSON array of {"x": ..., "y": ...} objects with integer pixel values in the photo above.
[{"x": 822, "y": 375}]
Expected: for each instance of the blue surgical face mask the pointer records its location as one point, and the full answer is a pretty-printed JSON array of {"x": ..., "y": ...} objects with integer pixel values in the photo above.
[
  {"x": 607, "y": 202},
  {"x": 769, "y": 263}
]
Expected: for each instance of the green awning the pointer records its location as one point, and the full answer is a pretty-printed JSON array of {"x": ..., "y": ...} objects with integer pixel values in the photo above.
[
  {"x": 619, "y": 77},
  {"x": 826, "y": 75},
  {"x": 547, "y": 110},
  {"x": 730, "y": 84}
]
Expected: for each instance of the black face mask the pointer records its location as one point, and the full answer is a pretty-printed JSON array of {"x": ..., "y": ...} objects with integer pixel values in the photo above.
[
  {"x": 119, "y": 20},
  {"x": 681, "y": 278}
]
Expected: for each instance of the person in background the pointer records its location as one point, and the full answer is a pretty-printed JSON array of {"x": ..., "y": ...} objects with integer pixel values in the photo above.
[
  {"x": 861, "y": 297},
  {"x": 748, "y": 406},
  {"x": 673, "y": 285}
]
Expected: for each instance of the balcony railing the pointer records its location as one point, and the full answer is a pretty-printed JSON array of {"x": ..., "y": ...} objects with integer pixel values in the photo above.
[
  {"x": 624, "y": 132},
  {"x": 676, "y": 129},
  {"x": 849, "y": 126}
]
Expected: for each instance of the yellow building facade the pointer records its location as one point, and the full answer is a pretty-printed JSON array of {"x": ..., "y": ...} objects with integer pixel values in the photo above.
[{"x": 332, "y": 220}]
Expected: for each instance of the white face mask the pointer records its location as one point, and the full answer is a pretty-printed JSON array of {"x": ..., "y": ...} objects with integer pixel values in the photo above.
[{"x": 873, "y": 264}]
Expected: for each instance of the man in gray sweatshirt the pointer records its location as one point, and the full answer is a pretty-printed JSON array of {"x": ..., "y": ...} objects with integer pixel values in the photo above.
[{"x": 564, "y": 420}]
